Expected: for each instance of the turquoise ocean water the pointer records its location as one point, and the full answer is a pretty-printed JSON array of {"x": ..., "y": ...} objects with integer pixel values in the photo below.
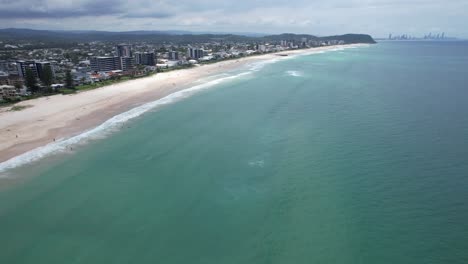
[{"x": 351, "y": 156}]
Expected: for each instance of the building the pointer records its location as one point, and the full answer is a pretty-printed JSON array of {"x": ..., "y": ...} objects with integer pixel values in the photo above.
[
  {"x": 22, "y": 66},
  {"x": 195, "y": 53},
  {"x": 37, "y": 68},
  {"x": 8, "y": 92},
  {"x": 40, "y": 66},
  {"x": 262, "y": 48},
  {"x": 173, "y": 55},
  {"x": 14, "y": 80},
  {"x": 146, "y": 58},
  {"x": 4, "y": 66},
  {"x": 105, "y": 64},
  {"x": 124, "y": 51},
  {"x": 127, "y": 63}
]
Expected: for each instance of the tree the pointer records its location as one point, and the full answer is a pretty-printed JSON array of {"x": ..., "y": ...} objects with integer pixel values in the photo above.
[
  {"x": 47, "y": 77},
  {"x": 31, "y": 81},
  {"x": 69, "y": 80}
]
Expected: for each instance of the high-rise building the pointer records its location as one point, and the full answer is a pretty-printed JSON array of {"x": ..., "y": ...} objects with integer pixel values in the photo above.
[
  {"x": 146, "y": 58},
  {"x": 127, "y": 63},
  {"x": 40, "y": 66},
  {"x": 104, "y": 64},
  {"x": 195, "y": 53},
  {"x": 23, "y": 65},
  {"x": 124, "y": 50},
  {"x": 173, "y": 55}
]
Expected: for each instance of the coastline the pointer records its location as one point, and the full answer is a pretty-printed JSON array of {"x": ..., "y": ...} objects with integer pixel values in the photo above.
[{"x": 65, "y": 116}]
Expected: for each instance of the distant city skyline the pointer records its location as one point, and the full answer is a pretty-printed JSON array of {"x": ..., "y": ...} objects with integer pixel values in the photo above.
[
  {"x": 375, "y": 17},
  {"x": 429, "y": 36}
]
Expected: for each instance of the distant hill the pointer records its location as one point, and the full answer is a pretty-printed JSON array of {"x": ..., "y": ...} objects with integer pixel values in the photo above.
[
  {"x": 177, "y": 37},
  {"x": 353, "y": 38}
]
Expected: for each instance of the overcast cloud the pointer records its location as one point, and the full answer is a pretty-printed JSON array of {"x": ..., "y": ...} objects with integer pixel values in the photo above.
[{"x": 324, "y": 17}]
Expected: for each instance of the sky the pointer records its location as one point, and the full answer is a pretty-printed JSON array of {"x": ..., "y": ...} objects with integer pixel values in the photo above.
[{"x": 324, "y": 17}]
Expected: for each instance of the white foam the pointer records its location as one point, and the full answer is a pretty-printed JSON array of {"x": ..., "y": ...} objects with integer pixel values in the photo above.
[
  {"x": 117, "y": 121},
  {"x": 108, "y": 126},
  {"x": 259, "y": 65},
  {"x": 257, "y": 163},
  {"x": 294, "y": 73}
]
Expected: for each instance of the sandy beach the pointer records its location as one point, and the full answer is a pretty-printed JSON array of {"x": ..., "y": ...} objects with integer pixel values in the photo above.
[{"x": 62, "y": 116}]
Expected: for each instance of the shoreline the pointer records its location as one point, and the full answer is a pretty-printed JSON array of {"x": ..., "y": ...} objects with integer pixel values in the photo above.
[{"x": 50, "y": 119}]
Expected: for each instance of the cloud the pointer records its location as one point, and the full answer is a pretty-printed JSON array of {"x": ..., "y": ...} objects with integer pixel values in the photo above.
[
  {"x": 23, "y": 9},
  {"x": 377, "y": 17},
  {"x": 54, "y": 9}
]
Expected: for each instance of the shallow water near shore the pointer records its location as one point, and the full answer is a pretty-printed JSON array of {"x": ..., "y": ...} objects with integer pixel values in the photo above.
[{"x": 355, "y": 156}]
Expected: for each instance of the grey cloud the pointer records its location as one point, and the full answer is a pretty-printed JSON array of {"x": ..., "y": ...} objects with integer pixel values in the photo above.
[
  {"x": 55, "y": 9},
  {"x": 377, "y": 17}
]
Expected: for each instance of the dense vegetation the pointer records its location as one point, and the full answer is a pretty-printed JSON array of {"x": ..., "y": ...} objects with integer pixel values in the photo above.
[{"x": 60, "y": 38}]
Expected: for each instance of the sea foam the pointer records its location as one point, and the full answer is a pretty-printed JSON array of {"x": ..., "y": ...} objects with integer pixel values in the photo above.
[
  {"x": 294, "y": 73},
  {"x": 116, "y": 122},
  {"x": 111, "y": 125}
]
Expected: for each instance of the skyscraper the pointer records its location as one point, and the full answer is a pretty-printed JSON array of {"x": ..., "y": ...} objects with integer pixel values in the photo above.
[
  {"x": 124, "y": 50},
  {"x": 146, "y": 58},
  {"x": 127, "y": 63},
  {"x": 23, "y": 65},
  {"x": 40, "y": 66},
  {"x": 195, "y": 53}
]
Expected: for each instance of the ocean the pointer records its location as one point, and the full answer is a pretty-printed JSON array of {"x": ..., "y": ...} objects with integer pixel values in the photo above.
[{"x": 350, "y": 156}]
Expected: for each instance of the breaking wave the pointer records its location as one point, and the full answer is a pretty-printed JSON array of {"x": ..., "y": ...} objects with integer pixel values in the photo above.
[
  {"x": 116, "y": 122},
  {"x": 111, "y": 125},
  {"x": 294, "y": 73}
]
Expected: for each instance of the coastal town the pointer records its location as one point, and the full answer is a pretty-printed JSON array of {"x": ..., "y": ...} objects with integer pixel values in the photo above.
[{"x": 30, "y": 70}]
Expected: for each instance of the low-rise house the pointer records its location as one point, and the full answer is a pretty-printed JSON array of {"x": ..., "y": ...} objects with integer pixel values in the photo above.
[
  {"x": 57, "y": 86},
  {"x": 8, "y": 92}
]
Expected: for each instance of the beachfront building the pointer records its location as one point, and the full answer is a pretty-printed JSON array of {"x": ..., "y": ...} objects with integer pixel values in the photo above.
[
  {"x": 173, "y": 55},
  {"x": 14, "y": 80},
  {"x": 262, "y": 48},
  {"x": 145, "y": 58},
  {"x": 23, "y": 66},
  {"x": 105, "y": 64},
  {"x": 127, "y": 63},
  {"x": 195, "y": 53},
  {"x": 8, "y": 92},
  {"x": 37, "y": 68},
  {"x": 40, "y": 66},
  {"x": 123, "y": 50}
]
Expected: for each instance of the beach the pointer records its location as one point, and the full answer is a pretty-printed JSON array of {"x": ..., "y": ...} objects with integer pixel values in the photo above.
[
  {"x": 49, "y": 119},
  {"x": 286, "y": 160}
]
